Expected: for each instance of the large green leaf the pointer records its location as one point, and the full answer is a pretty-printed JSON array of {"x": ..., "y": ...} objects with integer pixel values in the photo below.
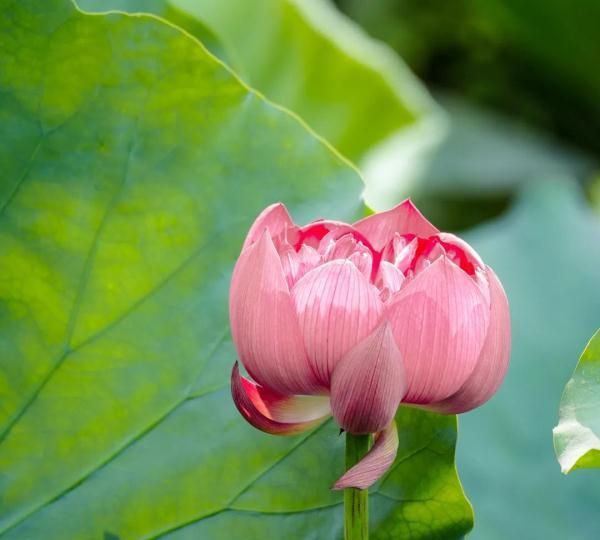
[
  {"x": 132, "y": 164},
  {"x": 577, "y": 436},
  {"x": 313, "y": 60},
  {"x": 546, "y": 251}
]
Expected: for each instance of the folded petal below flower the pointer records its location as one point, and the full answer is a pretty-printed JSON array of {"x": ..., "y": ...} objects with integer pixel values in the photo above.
[
  {"x": 368, "y": 383},
  {"x": 264, "y": 324},
  {"x": 440, "y": 320},
  {"x": 404, "y": 218},
  {"x": 276, "y": 413},
  {"x": 373, "y": 466},
  {"x": 337, "y": 307},
  {"x": 493, "y": 360}
]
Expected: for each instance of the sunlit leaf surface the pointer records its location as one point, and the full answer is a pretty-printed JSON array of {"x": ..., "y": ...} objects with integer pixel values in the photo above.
[{"x": 132, "y": 164}]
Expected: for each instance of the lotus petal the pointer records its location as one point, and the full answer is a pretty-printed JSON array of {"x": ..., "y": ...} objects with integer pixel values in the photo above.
[
  {"x": 374, "y": 465},
  {"x": 275, "y": 218},
  {"x": 337, "y": 307},
  {"x": 404, "y": 218},
  {"x": 264, "y": 324},
  {"x": 440, "y": 320},
  {"x": 276, "y": 413},
  {"x": 493, "y": 360},
  {"x": 368, "y": 383}
]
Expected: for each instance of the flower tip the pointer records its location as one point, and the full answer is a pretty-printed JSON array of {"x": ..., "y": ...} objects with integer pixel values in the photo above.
[{"x": 274, "y": 217}]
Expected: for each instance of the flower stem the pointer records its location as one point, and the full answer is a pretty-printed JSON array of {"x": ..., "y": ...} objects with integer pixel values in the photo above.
[{"x": 356, "y": 501}]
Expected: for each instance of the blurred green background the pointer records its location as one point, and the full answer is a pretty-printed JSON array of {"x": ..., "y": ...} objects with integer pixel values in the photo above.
[{"x": 520, "y": 81}]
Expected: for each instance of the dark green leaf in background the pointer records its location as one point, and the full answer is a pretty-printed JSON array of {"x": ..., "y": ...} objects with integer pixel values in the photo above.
[
  {"x": 534, "y": 59},
  {"x": 577, "y": 436},
  {"x": 132, "y": 164}
]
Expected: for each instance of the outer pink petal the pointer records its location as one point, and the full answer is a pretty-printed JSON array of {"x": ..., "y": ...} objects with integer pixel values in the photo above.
[
  {"x": 264, "y": 325},
  {"x": 368, "y": 383},
  {"x": 372, "y": 467},
  {"x": 337, "y": 307},
  {"x": 449, "y": 241},
  {"x": 276, "y": 413},
  {"x": 275, "y": 218},
  {"x": 440, "y": 320},
  {"x": 492, "y": 365},
  {"x": 404, "y": 218}
]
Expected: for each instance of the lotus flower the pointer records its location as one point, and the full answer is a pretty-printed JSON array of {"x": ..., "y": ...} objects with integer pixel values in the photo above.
[{"x": 354, "y": 320}]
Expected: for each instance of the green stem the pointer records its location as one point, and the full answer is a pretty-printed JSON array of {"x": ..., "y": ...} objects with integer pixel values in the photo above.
[{"x": 356, "y": 501}]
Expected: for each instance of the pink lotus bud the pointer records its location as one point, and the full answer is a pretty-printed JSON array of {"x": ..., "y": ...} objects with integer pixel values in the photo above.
[{"x": 353, "y": 320}]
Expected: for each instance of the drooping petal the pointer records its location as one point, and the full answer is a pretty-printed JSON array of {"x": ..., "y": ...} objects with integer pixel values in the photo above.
[
  {"x": 337, "y": 307},
  {"x": 404, "y": 218},
  {"x": 368, "y": 383},
  {"x": 440, "y": 320},
  {"x": 276, "y": 413},
  {"x": 275, "y": 218},
  {"x": 493, "y": 360},
  {"x": 264, "y": 324},
  {"x": 373, "y": 466}
]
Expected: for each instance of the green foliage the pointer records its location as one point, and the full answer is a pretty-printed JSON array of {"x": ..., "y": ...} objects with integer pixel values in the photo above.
[
  {"x": 311, "y": 59},
  {"x": 133, "y": 163},
  {"x": 536, "y": 59},
  {"x": 546, "y": 251},
  {"x": 577, "y": 436}
]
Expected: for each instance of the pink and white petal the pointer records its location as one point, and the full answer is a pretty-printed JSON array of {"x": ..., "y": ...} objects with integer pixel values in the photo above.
[
  {"x": 363, "y": 260},
  {"x": 405, "y": 253},
  {"x": 440, "y": 320},
  {"x": 404, "y": 218},
  {"x": 348, "y": 243},
  {"x": 368, "y": 383},
  {"x": 275, "y": 218},
  {"x": 296, "y": 263},
  {"x": 389, "y": 280},
  {"x": 463, "y": 255},
  {"x": 337, "y": 307},
  {"x": 264, "y": 325},
  {"x": 492, "y": 364},
  {"x": 290, "y": 263},
  {"x": 457, "y": 248},
  {"x": 276, "y": 413},
  {"x": 338, "y": 249},
  {"x": 375, "y": 464}
]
